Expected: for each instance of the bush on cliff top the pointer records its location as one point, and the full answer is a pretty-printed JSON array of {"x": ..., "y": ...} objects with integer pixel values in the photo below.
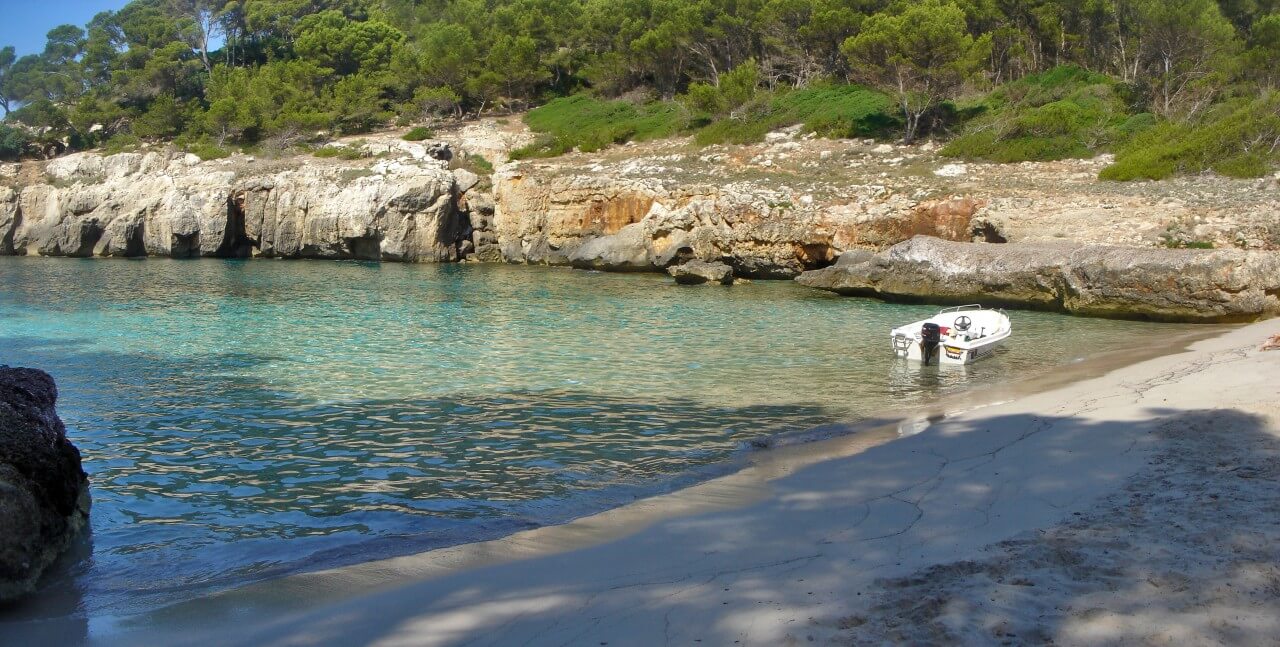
[
  {"x": 418, "y": 134},
  {"x": 827, "y": 110},
  {"x": 13, "y": 141},
  {"x": 590, "y": 124},
  {"x": 1064, "y": 113},
  {"x": 1238, "y": 139}
]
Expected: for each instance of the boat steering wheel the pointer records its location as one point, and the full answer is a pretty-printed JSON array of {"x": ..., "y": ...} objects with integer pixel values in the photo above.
[{"x": 963, "y": 323}]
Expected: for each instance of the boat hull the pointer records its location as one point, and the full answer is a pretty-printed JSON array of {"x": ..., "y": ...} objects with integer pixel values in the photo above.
[
  {"x": 982, "y": 334},
  {"x": 950, "y": 354}
]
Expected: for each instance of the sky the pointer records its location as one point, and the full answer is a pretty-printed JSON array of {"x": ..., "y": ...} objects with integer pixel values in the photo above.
[{"x": 23, "y": 23}]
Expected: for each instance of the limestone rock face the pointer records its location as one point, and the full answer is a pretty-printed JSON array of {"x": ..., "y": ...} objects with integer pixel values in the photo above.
[
  {"x": 44, "y": 493},
  {"x": 404, "y": 214},
  {"x": 615, "y": 223},
  {"x": 699, "y": 272},
  {"x": 8, "y": 219},
  {"x": 1158, "y": 284},
  {"x": 177, "y": 206}
]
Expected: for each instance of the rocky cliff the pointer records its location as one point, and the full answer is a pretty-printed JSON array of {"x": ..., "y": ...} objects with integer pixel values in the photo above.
[
  {"x": 44, "y": 494},
  {"x": 1093, "y": 280},
  {"x": 795, "y": 202},
  {"x": 791, "y": 204},
  {"x": 164, "y": 204},
  {"x": 600, "y": 219}
]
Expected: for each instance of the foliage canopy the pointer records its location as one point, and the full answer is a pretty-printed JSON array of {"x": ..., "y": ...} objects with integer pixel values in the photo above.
[{"x": 218, "y": 73}]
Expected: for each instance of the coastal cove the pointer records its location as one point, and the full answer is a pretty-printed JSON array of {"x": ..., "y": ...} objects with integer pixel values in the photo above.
[
  {"x": 561, "y": 323},
  {"x": 1128, "y": 507},
  {"x": 287, "y": 417}
]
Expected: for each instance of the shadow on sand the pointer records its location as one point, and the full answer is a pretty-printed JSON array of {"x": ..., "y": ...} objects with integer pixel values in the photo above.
[{"x": 1117, "y": 498}]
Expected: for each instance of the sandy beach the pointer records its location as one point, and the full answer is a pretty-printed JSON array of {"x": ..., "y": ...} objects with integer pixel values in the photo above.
[{"x": 1139, "y": 507}]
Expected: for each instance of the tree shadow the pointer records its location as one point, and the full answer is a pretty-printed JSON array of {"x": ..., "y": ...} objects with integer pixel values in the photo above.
[
  {"x": 1185, "y": 553},
  {"x": 846, "y": 533}
]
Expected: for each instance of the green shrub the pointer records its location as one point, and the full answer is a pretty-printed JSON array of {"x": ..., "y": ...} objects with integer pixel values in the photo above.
[
  {"x": 841, "y": 111},
  {"x": 835, "y": 111},
  {"x": 13, "y": 141},
  {"x": 1064, "y": 113},
  {"x": 418, "y": 134},
  {"x": 1236, "y": 139},
  {"x": 1244, "y": 166},
  {"x": 704, "y": 98},
  {"x": 122, "y": 143},
  {"x": 207, "y": 151}
]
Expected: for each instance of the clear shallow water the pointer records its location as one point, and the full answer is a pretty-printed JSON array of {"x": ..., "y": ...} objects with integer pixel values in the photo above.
[{"x": 246, "y": 419}]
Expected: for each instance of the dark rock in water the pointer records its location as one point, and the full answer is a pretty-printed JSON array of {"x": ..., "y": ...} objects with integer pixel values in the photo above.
[
  {"x": 699, "y": 272},
  {"x": 44, "y": 494},
  {"x": 1190, "y": 285}
]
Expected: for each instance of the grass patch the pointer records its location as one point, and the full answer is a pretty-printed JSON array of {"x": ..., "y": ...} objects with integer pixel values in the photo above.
[
  {"x": 589, "y": 124},
  {"x": 834, "y": 111},
  {"x": 1064, "y": 113},
  {"x": 340, "y": 152},
  {"x": 122, "y": 143},
  {"x": 352, "y": 174},
  {"x": 418, "y": 134},
  {"x": 206, "y": 151},
  {"x": 1239, "y": 138},
  {"x": 475, "y": 163}
]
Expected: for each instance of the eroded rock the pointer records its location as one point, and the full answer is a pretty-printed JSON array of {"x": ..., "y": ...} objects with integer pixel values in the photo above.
[
  {"x": 164, "y": 205},
  {"x": 616, "y": 223}
]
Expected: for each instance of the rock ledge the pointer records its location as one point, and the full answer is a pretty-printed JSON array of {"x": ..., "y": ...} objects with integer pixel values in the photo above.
[{"x": 1182, "y": 285}]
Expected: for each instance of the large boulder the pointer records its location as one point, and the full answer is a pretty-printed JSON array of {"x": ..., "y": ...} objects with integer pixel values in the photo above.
[
  {"x": 1158, "y": 284},
  {"x": 44, "y": 493},
  {"x": 625, "y": 251}
]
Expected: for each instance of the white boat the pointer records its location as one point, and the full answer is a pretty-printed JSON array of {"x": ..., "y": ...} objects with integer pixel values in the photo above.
[{"x": 960, "y": 335}]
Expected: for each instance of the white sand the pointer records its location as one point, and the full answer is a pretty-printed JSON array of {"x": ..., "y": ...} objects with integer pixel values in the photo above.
[{"x": 1139, "y": 507}]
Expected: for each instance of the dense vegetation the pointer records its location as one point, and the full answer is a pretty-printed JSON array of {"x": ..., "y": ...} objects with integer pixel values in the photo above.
[{"x": 1169, "y": 85}]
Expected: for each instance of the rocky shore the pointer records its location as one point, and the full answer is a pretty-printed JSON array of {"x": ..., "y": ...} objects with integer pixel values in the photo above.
[
  {"x": 841, "y": 215},
  {"x": 44, "y": 493}
]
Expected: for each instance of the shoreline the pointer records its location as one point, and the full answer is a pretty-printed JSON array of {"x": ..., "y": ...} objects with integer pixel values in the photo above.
[
  {"x": 1243, "y": 297},
  {"x": 748, "y": 488}
]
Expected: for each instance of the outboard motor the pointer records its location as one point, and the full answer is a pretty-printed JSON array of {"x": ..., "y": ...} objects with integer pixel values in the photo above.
[{"x": 930, "y": 337}]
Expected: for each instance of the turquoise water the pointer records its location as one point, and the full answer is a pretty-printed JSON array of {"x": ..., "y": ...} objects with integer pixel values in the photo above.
[{"x": 247, "y": 419}]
